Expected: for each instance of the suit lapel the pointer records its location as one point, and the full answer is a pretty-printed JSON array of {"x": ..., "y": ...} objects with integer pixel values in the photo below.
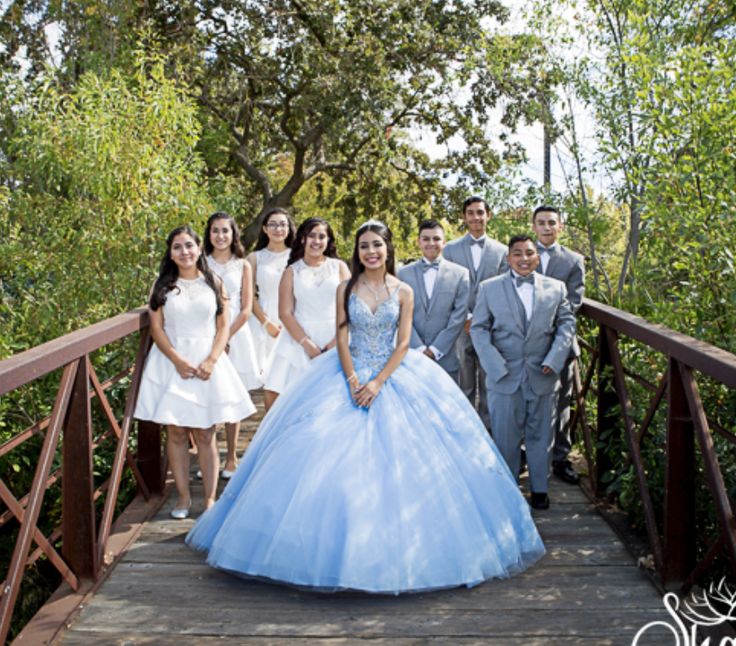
[
  {"x": 485, "y": 257},
  {"x": 441, "y": 276},
  {"x": 419, "y": 276},
  {"x": 554, "y": 261},
  {"x": 539, "y": 303},
  {"x": 469, "y": 258}
]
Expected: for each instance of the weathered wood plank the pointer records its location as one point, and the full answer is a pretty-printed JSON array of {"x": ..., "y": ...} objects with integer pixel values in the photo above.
[
  {"x": 209, "y": 619},
  {"x": 143, "y": 639},
  {"x": 587, "y": 589}
]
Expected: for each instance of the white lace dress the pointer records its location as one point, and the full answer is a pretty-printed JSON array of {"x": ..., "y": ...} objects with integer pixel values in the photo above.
[
  {"x": 315, "y": 294},
  {"x": 164, "y": 397},
  {"x": 269, "y": 268},
  {"x": 242, "y": 350}
]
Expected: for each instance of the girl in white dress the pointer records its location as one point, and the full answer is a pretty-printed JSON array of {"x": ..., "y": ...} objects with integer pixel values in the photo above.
[
  {"x": 225, "y": 258},
  {"x": 268, "y": 262},
  {"x": 306, "y": 303},
  {"x": 188, "y": 382}
]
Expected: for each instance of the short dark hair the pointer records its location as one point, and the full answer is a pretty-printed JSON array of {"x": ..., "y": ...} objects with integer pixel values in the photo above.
[
  {"x": 520, "y": 237},
  {"x": 430, "y": 224},
  {"x": 472, "y": 200},
  {"x": 542, "y": 208}
]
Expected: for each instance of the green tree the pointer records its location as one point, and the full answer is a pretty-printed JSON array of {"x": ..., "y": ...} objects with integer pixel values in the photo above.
[
  {"x": 100, "y": 175},
  {"x": 330, "y": 84}
]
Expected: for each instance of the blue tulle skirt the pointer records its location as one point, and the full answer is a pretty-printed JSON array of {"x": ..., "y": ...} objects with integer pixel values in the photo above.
[{"x": 408, "y": 495}]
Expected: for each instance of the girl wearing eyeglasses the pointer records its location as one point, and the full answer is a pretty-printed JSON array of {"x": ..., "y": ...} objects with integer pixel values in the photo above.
[{"x": 268, "y": 262}]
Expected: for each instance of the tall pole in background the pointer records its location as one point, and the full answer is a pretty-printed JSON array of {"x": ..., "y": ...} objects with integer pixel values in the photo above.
[
  {"x": 546, "y": 122},
  {"x": 547, "y": 164}
]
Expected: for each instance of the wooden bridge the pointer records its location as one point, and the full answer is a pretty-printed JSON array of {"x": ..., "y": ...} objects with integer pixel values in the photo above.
[{"x": 129, "y": 579}]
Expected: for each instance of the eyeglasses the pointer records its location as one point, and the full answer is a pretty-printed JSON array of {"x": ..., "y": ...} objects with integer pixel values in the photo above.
[{"x": 278, "y": 225}]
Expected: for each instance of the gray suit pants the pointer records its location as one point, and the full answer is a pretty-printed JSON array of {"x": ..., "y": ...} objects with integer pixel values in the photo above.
[
  {"x": 524, "y": 417},
  {"x": 472, "y": 378},
  {"x": 563, "y": 441}
]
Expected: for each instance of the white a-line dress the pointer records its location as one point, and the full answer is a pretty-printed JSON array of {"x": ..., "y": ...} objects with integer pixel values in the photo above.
[
  {"x": 269, "y": 268},
  {"x": 242, "y": 351},
  {"x": 315, "y": 294},
  {"x": 165, "y": 397}
]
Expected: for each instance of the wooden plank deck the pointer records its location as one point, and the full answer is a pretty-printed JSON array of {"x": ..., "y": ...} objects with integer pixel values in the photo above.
[{"x": 587, "y": 589}]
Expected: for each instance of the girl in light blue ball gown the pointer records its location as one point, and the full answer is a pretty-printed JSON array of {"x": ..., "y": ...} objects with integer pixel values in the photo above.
[{"x": 372, "y": 471}]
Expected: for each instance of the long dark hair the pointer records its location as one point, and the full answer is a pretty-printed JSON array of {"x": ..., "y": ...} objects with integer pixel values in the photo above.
[
  {"x": 168, "y": 272},
  {"x": 300, "y": 240},
  {"x": 236, "y": 247},
  {"x": 357, "y": 267},
  {"x": 262, "y": 241}
]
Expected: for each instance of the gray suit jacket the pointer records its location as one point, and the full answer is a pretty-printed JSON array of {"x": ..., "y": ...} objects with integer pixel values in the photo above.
[
  {"x": 569, "y": 267},
  {"x": 506, "y": 352},
  {"x": 439, "y": 320},
  {"x": 492, "y": 261}
]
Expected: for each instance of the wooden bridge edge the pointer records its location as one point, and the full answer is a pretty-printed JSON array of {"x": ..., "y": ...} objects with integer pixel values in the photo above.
[{"x": 63, "y": 606}]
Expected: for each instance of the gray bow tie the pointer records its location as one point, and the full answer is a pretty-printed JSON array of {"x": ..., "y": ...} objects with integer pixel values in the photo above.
[
  {"x": 550, "y": 250},
  {"x": 430, "y": 265},
  {"x": 520, "y": 280},
  {"x": 481, "y": 243}
]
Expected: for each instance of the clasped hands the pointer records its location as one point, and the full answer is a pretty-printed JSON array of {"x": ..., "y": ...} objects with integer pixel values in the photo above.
[
  {"x": 203, "y": 371},
  {"x": 364, "y": 394},
  {"x": 312, "y": 349}
]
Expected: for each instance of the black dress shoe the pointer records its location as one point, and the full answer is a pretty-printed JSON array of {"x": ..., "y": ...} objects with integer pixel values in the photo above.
[
  {"x": 564, "y": 471},
  {"x": 539, "y": 501}
]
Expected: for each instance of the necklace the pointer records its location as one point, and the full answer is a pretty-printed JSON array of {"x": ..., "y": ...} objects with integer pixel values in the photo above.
[{"x": 376, "y": 292}]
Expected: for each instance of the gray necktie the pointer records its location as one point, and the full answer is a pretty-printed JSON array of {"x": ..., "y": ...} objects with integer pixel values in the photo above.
[
  {"x": 520, "y": 280},
  {"x": 430, "y": 265}
]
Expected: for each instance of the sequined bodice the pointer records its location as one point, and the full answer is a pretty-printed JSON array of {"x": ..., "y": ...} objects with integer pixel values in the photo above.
[{"x": 372, "y": 334}]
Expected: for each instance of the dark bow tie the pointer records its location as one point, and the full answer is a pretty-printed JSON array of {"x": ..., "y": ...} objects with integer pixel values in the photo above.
[
  {"x": 550, "y": 250},
  {"x": 430, "y": 265},
  {"x": 520, "y": 280},
  {"x": 481, "y": 243}
]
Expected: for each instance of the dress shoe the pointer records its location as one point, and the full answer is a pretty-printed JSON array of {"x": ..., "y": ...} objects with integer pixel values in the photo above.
[
  {"x": 539, "y": 501},
  {"x": 180, "y": 513},
  {"x": 564, "y": 471},
  {"x": 227, "y": 474}
]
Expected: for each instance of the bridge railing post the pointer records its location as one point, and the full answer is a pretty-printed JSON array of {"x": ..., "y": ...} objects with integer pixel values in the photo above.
[
  {"x": 607, "y": 417},
  {"x": 150, "y": 456},
  {"x": 679, "y": 494},
  {"x": 78, "y": 506}
]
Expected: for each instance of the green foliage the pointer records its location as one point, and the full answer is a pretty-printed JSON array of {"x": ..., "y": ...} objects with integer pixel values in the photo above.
[{"x": 100, "y": 175}]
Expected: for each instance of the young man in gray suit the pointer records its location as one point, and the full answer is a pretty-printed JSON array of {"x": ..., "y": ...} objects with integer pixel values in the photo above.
[
  {"x": 563, "y": 264},
  {"x": 484, "y": 258},
  {"x": 522, "y": 329},
  {"x": 441, "y": 290}
]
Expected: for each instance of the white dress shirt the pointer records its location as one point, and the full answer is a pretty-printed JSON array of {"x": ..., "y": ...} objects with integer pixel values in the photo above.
[
  {"x": 544, "y": 255},
  {"x": 476, "y": 252},
  {"x": 526, "y": 294},
  {"x": 430, "y": 276}
]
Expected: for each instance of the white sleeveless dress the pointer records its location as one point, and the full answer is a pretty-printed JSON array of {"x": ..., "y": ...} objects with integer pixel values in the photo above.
[
  {"x": 164, "y": 397},
  {"x": 242, "y": 352},
  {"x": 269, "y": 267},
  {"x": 315, "y": 295}
]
